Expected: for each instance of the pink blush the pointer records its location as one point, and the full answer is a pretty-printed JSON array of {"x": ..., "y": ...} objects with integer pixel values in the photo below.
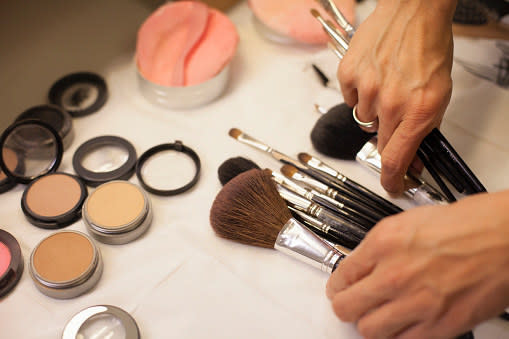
[{"x": 5, "y": 258}]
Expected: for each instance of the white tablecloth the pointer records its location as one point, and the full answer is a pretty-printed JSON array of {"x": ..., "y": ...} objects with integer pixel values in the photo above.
[{"x": 179, "y": 280}]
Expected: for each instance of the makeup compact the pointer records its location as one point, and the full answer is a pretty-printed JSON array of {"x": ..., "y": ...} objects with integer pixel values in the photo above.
[
  {"x": 11, "y": 161},
  {"x": 290, "y": 21},
  {"x": 117, "y": 212},
  {"x": 56, "y": 117},
  {"x": 66, "y": 264},
  {"x": 80, "y": 93},
  {"x": 54, "y": 200},
  {"x": 105, "y": 321},
  {"x": 183, "y": 54},
  {"x": 11, "y": 262},
  {"x": 104, "y": 159}
]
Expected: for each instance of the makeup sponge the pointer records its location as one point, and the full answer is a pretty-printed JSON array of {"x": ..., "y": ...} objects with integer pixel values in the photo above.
[
  {"x": 185, "y": 43},
  {"x": 232, "y": 167},
  {"x": 337, "y": 135},
  {"x": 292, "y": 18}
]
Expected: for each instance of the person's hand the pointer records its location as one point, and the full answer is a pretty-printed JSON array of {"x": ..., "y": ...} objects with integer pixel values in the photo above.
[
  {"x": 398, "y": 69},
  {"x": 429, "y": 272}
]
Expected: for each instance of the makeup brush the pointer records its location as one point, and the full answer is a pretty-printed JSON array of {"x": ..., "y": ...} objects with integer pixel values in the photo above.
[
  {"x": 249, "y": 210},
  {"x": 340, "y": 19},
  {"x": 231, "y": 167},
  {"x": 350, "y": 207},
  {"x": 342, "y": 180}
]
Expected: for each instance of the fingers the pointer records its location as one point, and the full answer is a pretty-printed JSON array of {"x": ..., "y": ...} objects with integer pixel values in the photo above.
[
  {"x": 353, "y": 268},
  {"x": 347, "y": 81}
]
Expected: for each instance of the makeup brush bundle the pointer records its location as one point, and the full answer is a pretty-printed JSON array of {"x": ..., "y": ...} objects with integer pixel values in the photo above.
[{"x": 436, "y": 153}]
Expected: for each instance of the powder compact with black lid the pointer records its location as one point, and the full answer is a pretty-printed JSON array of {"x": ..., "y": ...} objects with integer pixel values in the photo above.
[
  {"x": 31, "y": 153},
  {"x": 11, "y": 262}
]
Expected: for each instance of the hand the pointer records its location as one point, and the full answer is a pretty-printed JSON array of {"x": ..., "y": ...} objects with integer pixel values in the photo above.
[
  {"x": 398, "y": 68},
  {"x": 429, "y": 272}
]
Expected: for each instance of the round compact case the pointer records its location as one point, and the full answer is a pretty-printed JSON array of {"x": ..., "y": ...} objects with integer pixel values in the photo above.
[
  {"x": 117, "y": 212},
  {"x": 103, "y": 321},
  {"x": 11, "y": 262},
  {"x": 66, "y": 264},
  {"x": 183, "y": 53},
  {"x": 79, "y": 93},
  {"x": 56, "y": 117},
  {"x": 54, "y": 200}
]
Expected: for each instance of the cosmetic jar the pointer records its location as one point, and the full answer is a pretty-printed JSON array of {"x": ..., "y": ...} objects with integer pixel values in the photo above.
[
  {"x": 104, "y": 159},
  {"x": 56, "y": 117},
  {"x": 106, "y": 321},
  {"x": 117, "y": 212},
  {"x": 80, "y": 93},
  {"x": 190, "y": 63},
  {"x": 66, "y": 264},
  {"x": 54, "y": 200},
  {"x": 168, "y": 169},
  {"x": 29, "y": 150},
  {"x": 290, "y": 21},
  {"x": 11, "y": 161},
  {"x": 11, "y": 262}
]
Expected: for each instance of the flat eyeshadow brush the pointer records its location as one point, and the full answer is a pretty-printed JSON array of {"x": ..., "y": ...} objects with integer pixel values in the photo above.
[
  {"x": 249, "y": 210},
  {"x": 350, "y": 184},
  {"x": 342, "y": 202},
  {"x": 323, "y": 201}
]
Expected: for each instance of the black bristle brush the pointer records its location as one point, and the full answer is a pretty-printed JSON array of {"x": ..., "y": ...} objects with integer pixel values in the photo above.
[
  {"x": 232, "y": 167},
  {"x": 249, "y": 210}
]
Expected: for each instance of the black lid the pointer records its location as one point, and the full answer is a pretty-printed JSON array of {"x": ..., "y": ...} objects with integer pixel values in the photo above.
[
  {"x": 30, "y": 149},
  {"x": 79, "y": 93},
  {"x": 96, "y": 176},
  {"x": 64, "y": 218},
  {"x": 156, "y": 151},
  {"x": 11, "y": 276}
]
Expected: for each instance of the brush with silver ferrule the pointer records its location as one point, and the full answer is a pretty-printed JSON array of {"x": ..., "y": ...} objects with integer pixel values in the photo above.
[
  {"x": 333, "y": 33},
  {"x": 343, "y": 202},
  {"x": 249, "y": 210},
  {"x": 340, "y": 19},
  {"x": 348, "y": 234},
  {"x": 375, "y": 199},
  {"x": 323, "y": 201}
]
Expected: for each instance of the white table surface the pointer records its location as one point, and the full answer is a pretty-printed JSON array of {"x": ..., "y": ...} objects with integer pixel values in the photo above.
[{"x": 179, "y": 280}]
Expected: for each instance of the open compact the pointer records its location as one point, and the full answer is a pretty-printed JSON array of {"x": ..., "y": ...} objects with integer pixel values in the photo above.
[
  {"x": 103, "y": 321},
  {"x": 79, "y": 93},
  {"x": 66, "y": 264},
  {"x": 56, "y": 117},
  {"x": 117, "y": 212},
  {"x": 11, "y": 262},
  {"x": 11, "y": 161},
  {"x": 103, "y": 159}
]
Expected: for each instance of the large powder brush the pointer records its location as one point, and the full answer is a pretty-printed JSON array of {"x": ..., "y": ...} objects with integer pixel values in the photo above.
[
  {"x": 232, "y": 167},
  {"x": 249, "y": 210}
]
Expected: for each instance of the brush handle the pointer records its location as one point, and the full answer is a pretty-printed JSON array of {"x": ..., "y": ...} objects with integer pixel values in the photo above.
[
  {"x": 383, "y": 203},
  {"x": 347, "y": 213},
  {"x": 336, "y": 223},
  {"x": 434, "y": 174},
  {"x": 359, "y": 208},
  {"x": 458, "y": 161}
]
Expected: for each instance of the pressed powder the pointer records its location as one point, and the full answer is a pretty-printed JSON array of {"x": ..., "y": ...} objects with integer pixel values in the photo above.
[
  {"x": 54, "y": 200},
  {"x": 117, "y": 212},
  {"x": 11, "y": 262},
  {"x": 65, "y": 264}
]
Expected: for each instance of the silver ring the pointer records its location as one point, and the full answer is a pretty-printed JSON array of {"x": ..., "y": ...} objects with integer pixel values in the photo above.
[{"x": 369, "y": 124}]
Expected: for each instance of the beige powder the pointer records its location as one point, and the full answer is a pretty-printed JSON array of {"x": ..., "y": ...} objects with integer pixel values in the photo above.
[
  {"x": 63, "y": 256},
  {"x": 53, "y": 195},
  {"x": 11, "y": 161},
  {"x": 115, "y": 204}
]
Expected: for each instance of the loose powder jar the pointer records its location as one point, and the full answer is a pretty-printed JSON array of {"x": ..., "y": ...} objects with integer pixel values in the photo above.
[
  {"x": 66, "y": 264},
  {"x": 54, "y": 200},
  {"x": 117, "y": 212}
]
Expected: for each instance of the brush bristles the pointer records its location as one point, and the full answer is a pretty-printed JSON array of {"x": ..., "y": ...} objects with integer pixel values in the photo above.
[
  {"x": 249, "y": 210},
  {"x": 288, "y": 170},
  {"x": 235, "y": 133},
  {"x": 233, "y": 167},
  {"x": 304, "y": 157}
]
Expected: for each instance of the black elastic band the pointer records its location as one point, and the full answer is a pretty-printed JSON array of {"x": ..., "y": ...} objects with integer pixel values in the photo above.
[{"x": 178, "y": 147}]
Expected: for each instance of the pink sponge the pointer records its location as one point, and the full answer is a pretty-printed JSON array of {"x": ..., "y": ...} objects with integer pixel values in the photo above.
[
  {"x": 292, "y": 18},
  {"x": 185, "y": 43}
]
